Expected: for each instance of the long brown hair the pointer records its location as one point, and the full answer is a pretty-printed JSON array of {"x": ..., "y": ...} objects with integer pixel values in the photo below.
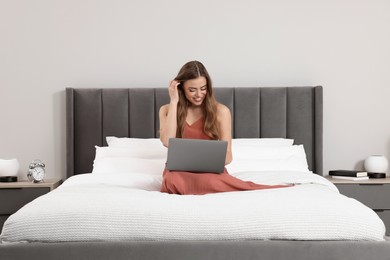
[{"x": 193, "y": 70}]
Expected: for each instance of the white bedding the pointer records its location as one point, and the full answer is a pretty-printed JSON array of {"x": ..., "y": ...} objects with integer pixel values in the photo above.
[{"x": 96, "y": 207}]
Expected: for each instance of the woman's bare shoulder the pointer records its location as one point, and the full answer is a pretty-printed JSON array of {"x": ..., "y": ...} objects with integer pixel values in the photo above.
[{"x": 223, "y": 110}]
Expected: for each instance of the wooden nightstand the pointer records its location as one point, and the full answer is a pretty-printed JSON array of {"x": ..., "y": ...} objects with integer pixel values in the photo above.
[
  {"x": 14, "y": 195},
  {"x": 374, "y": 193}
]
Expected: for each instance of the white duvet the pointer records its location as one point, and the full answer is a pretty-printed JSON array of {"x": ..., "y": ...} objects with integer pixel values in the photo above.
[{"x": 106, "y": 207}]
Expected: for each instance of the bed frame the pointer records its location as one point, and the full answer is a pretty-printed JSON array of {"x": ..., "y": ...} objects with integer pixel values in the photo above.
[{"x": 291, "y": 112}]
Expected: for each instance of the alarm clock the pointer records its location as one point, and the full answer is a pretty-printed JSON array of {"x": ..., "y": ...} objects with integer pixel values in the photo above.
[{"x": 36, "y": 171}]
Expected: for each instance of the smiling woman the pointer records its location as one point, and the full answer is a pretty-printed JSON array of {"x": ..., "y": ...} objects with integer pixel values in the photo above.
[
  {"x": 195, "y": 90},
  {"x": 192, "y": 97},
  {"x": 194, "y": 113}
]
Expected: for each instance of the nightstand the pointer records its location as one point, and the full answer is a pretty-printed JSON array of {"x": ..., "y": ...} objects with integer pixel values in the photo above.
[
  {"x": 374, "y": 193},
  {"x": 14, "y": 195}
]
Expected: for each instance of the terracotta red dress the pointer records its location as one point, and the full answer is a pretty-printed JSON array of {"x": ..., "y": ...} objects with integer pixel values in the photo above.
[{"x": 177, "y": 182}]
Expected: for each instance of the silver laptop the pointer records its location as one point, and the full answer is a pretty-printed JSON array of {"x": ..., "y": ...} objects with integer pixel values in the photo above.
[{"x": 196, "y": 155}]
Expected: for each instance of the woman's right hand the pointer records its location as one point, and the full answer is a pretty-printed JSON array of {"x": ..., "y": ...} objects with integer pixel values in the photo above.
[
  {"x": 173, "y": 91},
  {"x": 168, "y": 114}
]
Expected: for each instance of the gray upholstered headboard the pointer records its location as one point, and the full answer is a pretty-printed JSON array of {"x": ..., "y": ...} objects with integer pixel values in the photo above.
[{"x": 93, "y": 114}]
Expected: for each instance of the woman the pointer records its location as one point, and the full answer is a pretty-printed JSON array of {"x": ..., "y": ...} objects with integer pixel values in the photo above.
[{"x": 194, "y": 113}]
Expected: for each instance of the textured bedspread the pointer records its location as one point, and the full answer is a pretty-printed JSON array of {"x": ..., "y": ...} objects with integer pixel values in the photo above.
[{"x": 98, "y": 207}]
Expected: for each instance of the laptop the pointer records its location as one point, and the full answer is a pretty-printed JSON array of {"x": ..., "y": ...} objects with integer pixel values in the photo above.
[{"x": 196, "y": 155}]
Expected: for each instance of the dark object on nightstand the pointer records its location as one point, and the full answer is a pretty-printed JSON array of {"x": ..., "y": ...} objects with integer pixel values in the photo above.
[
  {"x": 8, "y": 179},
  {"x": 376, "y": 175}
]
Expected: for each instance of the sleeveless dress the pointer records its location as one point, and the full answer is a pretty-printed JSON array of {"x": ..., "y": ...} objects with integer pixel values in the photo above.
[{"x": 179, "y": 182}]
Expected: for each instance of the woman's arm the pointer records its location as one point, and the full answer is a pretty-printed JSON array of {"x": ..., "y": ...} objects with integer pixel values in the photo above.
[
  {"x": 168, "y": 115},
  {"x": 225, "y": 126}
]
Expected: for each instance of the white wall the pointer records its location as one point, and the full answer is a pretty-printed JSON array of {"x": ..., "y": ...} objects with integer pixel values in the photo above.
[{"x": 47, "y": 45}]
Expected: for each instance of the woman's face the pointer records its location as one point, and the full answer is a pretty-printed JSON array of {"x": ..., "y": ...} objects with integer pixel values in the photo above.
[{"x": 195, "y": 90}]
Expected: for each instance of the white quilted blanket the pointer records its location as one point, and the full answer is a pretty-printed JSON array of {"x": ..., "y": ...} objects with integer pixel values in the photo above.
[{"x": 96, "y": 207}]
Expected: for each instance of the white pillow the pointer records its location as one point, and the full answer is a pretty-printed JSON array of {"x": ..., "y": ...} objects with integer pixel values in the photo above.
[
  {"x": 141, "y": 159},
  {"x": 114, "y": 141},
  {"x": 260, "y": 142},
  {"x": 272, "y": 158},
  {"x": 119, "y": 165},
  {"x": 151, "y": 148}
]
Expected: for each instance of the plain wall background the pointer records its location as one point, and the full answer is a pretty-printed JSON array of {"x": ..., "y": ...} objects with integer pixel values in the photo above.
[{"x": 47, "y": 45}]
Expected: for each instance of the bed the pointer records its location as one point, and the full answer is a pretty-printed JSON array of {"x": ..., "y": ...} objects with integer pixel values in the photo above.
[{"x": 129, "y": 117}]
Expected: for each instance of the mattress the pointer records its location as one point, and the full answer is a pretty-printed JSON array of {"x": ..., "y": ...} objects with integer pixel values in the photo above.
[{"x": 129, "y": 207}]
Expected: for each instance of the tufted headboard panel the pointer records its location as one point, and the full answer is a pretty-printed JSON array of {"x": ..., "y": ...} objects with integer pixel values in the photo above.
[{"x": 93, "y": 114}]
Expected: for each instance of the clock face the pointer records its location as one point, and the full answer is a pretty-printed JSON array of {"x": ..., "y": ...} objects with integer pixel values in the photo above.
[{"x": 38, "y": 173}]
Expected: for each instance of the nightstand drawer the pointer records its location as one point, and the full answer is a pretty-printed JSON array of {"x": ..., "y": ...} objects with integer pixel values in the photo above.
[
  {"x": 14, "y": 198},
  {"x": 375, "y": 196},
  {"x": 385, "y": 216}
]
